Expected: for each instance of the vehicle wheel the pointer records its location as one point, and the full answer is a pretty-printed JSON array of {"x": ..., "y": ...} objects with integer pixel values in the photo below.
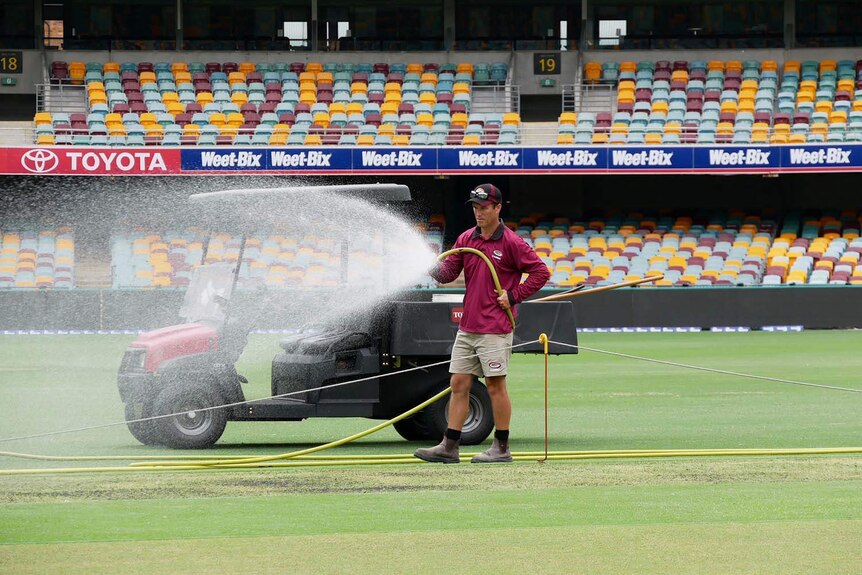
[
  {"x": 194, "y": 427},
  {"x": 414, "y": 428},
  {"x": 480, "y": 417},
  {"x": 143, "y": 431}
]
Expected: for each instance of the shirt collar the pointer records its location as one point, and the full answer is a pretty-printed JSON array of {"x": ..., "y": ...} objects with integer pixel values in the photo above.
[{"x": 498, "y": 233}]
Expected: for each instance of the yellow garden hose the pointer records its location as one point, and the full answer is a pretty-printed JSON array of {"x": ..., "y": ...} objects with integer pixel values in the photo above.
[
  {"x": 293, "y": 454},
  {"x": 305, "y": 457},
  {"x": 402, "y": 459},
  {"x": 574, "y": 292},
  {"x": 500, "y": 290}
]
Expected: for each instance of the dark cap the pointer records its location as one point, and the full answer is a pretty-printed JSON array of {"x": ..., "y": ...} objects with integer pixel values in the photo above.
[{"x": 485, "y": 194}]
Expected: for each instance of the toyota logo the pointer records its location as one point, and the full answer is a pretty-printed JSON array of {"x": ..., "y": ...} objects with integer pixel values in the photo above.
[{"x": 39, "y": 161}]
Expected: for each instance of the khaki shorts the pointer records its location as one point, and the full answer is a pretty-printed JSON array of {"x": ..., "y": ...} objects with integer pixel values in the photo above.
[{"x": 494, "y": 351}]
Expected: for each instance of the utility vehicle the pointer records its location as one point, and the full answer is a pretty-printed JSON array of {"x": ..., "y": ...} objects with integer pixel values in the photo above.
[{"x": 189, "y": 367}]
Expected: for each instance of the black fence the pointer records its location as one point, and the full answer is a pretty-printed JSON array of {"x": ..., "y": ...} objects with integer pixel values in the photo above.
[{"x": 821, "y": 307}]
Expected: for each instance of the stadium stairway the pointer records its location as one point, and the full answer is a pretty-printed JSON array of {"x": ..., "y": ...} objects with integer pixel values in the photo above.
[
  {"x": 16, "y": 133},
  {"x": 62, "y": 98},
  {"x": 92, "y": 268},
  {"x": 538, "y": 133}
]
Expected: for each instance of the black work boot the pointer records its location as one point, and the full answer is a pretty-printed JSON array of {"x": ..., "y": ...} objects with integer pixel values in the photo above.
[
  {"x": 499, "y": 453},
  {"x": 445, "y": 452}
]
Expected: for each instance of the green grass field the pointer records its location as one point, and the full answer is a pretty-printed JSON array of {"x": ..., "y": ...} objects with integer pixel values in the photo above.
[{"x": 791, "y": 514}]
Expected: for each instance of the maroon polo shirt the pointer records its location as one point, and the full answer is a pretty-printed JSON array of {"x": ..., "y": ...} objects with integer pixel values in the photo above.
[{"x": 512, "y": 257}]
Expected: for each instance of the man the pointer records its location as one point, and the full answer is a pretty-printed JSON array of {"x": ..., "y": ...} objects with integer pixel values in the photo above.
[{"x": 483, "y": 345}]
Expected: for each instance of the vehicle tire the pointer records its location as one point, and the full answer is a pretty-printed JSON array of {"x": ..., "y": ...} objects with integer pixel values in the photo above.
[
  {"x": 480, "y": 417},
  {"x": 194, "y": 427},
  {"x": 143, "y": 431},
  {"x": 414, "y": 428}
]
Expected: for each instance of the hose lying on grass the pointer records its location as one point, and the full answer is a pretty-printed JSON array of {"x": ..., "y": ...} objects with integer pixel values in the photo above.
[{"x": 235, "y": 462}]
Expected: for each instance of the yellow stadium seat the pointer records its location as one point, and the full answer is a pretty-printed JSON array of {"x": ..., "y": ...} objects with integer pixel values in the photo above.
[
  {"x": 77, "y": 71},
  {"x": 465, "y": 67},
  {"x": 626, "y": 96},
  {"x": 837, "y": 116},
  {"x": 660, "y": 106},
  {"x": 461, "y": 88},
  {"x": 679, "y": 76},
  {"x": 564, "y": 139},
  {"x": 175, "y": 108},
  {"x": 98, "y": 97},
  {"x": 425, "y": 119},
  {"x": 147, "y": 118},
  {"x": 568, "y": 118},
  {"x": 724, "y": 128},
  {"x": 322, "y": 118},
  {"x": 512, "y": 118}
]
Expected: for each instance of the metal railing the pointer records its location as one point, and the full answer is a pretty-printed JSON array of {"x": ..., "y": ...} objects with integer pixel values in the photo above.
[
  {"x": 530, "y": 134},
  {"x": 63, "y": 97},
  {"x": 496, "y": 99},
  {"x": 588, "y": 97}
]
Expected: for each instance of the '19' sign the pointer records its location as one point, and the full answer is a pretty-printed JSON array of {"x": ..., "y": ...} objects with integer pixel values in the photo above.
[{"x": 546, "y": 63}]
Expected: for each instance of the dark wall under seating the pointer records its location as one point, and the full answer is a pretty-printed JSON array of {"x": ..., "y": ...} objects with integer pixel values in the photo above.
[{"x": 811, "y": 307}]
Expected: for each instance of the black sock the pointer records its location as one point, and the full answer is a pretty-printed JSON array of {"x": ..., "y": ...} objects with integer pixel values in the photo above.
[
  {"x": 502, "y": 435},
  {"x": 453, "y": 434}
]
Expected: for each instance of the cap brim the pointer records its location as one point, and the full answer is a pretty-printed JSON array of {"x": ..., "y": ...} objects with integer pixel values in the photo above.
[{"x": 480, "y": 202}]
